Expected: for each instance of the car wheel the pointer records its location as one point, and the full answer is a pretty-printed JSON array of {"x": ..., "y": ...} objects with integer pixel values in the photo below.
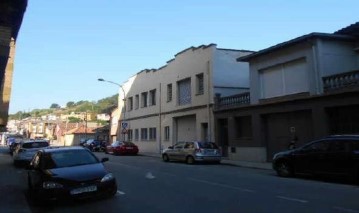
[
  {"x": 190, "y": 160},
  {"x": 284, "y": 169},
  {"x": 165, "y": 158}
]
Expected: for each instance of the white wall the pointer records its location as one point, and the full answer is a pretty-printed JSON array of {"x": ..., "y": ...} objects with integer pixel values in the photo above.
[{"x": 228, "y": 73}]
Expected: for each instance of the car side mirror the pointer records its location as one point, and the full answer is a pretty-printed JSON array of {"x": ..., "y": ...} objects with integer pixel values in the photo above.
[{"x": 104, "y": 160}]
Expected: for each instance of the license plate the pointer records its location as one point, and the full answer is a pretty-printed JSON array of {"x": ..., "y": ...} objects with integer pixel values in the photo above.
[{"x": 83, "y": 190}]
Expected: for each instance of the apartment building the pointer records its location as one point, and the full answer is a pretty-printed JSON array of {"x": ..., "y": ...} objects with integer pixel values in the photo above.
[
  {"x": 300, "y": 90},
  {"x": 175, "y": 102}
]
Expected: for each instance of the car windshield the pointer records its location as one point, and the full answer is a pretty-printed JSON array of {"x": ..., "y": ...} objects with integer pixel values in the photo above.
[
  {"x": 207, "y": 145},
  {"x": 35, "y": 145},
  {"x": 69, "y": 158}
]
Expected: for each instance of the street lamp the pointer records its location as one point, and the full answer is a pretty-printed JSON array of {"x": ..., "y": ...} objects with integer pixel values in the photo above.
[{"x": 124, "y": 104}]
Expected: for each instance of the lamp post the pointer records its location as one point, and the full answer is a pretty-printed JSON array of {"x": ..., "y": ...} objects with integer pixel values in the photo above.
[{"x": 124, "y": 104}]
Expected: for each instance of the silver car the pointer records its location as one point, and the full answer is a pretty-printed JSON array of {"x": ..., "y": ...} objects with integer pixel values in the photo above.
[
  {"x": 192, "y": 151},
  {"x": 25, "y": 151}
]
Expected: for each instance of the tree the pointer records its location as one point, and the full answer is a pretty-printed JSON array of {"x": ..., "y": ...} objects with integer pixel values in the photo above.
[
  {"x": 70, "y": 104},
  {"x": 55, "y": 106},
  {"x": 74, "y": 120}
]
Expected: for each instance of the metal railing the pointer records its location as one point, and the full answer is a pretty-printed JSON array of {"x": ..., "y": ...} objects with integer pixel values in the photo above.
[
  {"x": 341, "y": 81},
  {"x": 232, "y": 101}
]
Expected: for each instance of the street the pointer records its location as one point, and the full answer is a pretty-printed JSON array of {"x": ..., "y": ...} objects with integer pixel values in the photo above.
[{"x": 146, "y": 184}]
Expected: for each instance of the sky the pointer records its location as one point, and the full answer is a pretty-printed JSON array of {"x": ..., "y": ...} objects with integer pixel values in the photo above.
[{"x": 64, "y": 46}]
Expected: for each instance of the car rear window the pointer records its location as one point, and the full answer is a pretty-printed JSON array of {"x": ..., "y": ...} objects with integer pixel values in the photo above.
[
  {"x": 207, "y": 145},
  {"x": 35, "y": 145}
]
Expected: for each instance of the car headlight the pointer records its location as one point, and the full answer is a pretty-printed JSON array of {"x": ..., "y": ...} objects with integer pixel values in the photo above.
[
  {"x": 51, "y": 185},
  {"x": 107, "y": 177}
]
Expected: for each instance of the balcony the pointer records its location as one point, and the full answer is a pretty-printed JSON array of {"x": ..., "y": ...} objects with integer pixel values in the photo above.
[
  {"x": 343, "y": 81},
  {"x": 233, "y": 101}
]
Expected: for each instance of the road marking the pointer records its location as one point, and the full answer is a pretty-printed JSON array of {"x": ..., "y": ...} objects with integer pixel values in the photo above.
[
  {"x": 222, "y": 185},
  {"x": 149, "y": 175},
  {"x": 120, "y": 192},
  {"x": 292, "y": 199},
  {"x": 345, "y": 209}
]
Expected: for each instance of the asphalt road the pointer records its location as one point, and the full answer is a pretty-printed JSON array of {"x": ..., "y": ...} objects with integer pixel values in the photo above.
[{"x": 146, "y": 184}]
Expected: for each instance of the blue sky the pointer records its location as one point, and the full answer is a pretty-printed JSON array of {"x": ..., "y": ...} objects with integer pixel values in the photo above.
[{"x": 64, "y": 46}]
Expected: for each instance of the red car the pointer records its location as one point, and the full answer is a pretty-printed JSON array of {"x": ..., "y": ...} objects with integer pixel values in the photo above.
[{"x": 122, "y": 148}]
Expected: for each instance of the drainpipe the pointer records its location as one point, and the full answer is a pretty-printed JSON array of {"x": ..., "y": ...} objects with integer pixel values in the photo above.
[
  {"x": 160, "y": 115},
  {"x": 208, "y": 104}
]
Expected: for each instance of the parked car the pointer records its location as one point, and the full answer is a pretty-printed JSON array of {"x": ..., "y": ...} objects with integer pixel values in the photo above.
[
  {"x": 193, "y": 151},
  {"x": 12, "y": 141},
  {"x": 332, "y": 155},
  {"x": 83, "y": 141},
  {"x": 63, "y": 173},
  {"x": 95, "y": 145},
  {"x": 122, "y": 148},
  {"x": 25, "y": 151}
]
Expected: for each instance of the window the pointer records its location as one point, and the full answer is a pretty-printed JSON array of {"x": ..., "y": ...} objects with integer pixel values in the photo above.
[
  {"x": 184, "y": 92},
  {"x": 167, "y": 133},
  {"x": 130, "y": 104},
  {"x": 143, "y": 134},
  {"x": 129, "y": 134},
  {"x": 152, "y": 97},
  {"x": 144, "y": 99},
  {"x": 136, "y": 134},
  {"x": 169, "y": 92},
  {"x": 137, "y": 101},
  {"x": 199, "y": 83},
  {"x": 152, "y": 134},
  {"x": 243, "y": 127}
]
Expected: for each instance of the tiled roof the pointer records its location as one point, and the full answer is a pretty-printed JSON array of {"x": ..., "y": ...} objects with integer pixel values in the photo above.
[
  {"x": 352, "y": 30},
  {"x": 81, "y": 130}
]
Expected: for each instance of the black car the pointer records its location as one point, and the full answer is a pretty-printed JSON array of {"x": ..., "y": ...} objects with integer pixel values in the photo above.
[
  {"x": 65, "y": 173},
  {"x": 334, "y": 155},
  {"x": 95, "y": 145}
]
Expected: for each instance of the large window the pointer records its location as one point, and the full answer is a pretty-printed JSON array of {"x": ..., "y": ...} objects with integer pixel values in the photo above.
[
  {"x": 199, "y": 84},
  {"x": 144, "y": 134},
  {"x": 284, "y": 79},
  {"x": 129, "y": 133},
  {"x": 152, "y": 97},
  {"x": 136, "y": 134},
  {"x": 144, "y": 99},
  {"x": 167, "y": 133},
  {"x": 184, "y": 92},
  {"x": 130, "y": 104},
  {"x": 152, "y": 134},
  {"x": 137, "y": 101},
  {"x": 169, "y": 92}
]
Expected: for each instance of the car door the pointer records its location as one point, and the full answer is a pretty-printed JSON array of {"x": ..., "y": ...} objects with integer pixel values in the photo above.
[
  {"x": 339, "y": 157},
  {"x": 175, "y": 153},
  {"x": 311, "y": 158}
]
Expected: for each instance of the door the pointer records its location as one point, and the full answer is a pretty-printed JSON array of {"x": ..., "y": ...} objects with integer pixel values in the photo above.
[{"x": 175, "y": 152}]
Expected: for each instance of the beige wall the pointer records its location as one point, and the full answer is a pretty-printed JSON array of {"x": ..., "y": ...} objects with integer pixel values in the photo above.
[{"x": 186, "y": 65}]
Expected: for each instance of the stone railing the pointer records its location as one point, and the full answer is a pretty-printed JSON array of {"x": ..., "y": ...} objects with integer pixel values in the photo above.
[
  {"x": 341, "y": 81},
  {"x": 232, "y": 101}
]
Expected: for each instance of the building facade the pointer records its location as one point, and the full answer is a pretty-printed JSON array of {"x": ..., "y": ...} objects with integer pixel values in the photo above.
[
  {"x": 159, "y": 107},
  {"x": 300, "y": 90}
]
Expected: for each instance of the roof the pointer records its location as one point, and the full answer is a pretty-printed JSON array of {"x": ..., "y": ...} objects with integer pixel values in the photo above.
[
  {"x": 60, "y": 149},
  {"x": 292, "y": 42},
  {"x": 352, "y": 30},
  {"x": 81, "y": 130}
]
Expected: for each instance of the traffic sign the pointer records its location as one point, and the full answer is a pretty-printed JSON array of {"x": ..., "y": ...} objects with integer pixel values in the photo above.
[{"x": 124, "y": 125}]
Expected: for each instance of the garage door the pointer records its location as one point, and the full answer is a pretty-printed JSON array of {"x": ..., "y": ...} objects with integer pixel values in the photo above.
[{"x": 186, "y": 128}]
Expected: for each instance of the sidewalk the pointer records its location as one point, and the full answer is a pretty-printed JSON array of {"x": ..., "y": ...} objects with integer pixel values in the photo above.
[
  {"x": 12, "y": 186},
  {"x": 247, "y": 164}
]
